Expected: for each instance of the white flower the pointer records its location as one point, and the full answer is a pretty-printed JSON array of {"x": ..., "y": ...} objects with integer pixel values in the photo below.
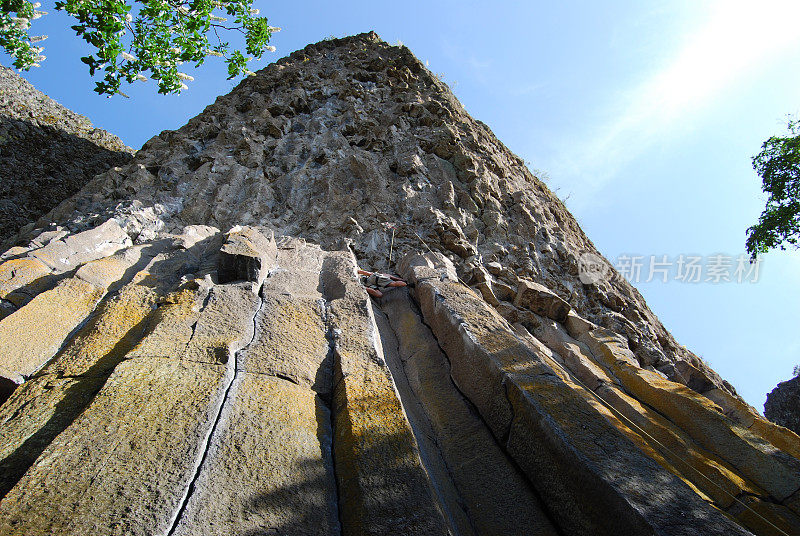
[
  {"x": 34, "y": 65},
  {"x": 37, "y": 5},
  {"x": 270, "y": 48},
  {"x": 183, "y": 9},
  {"x": 213, "y": 53},
  {"x": 249, "y": 73},
  {"x": 37, "y": 38},
  {"x": 141, "y": 78},
  {"x": 128, "y": 17},
  {"x": 37, "y": 14},
  {"x": 126, "y": 56},
  {"x": 217, "y": 19},
  {"x": 184, "y": 86},
  {"x": 184, "y": 76},
  {"x": 254, "y": 12},
  {"x": 123, "y": 94},
  {"x": 21, "y": 22},
  {"x": 40, "y": 58},
  {"x": 176, "y": 50},
  {"x": 273, "y": 29}
]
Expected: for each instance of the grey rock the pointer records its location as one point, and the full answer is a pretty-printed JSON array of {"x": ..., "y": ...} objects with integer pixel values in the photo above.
[
  {"x": 541, "y": 300},
  {"x": 47, "y": 153},
  {"x": 783, "y": 404},
  {"x": 246, "y": 255}
]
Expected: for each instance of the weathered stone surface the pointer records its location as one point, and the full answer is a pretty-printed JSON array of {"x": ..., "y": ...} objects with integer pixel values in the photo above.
[
  {"x": 47, "y": 153},
  {"x": 269, "y": 469},
  {"x": 576, "y": 355},
  {"x": 22, "y": 279},
  {"x": 123, "y": 465},
  {"x": 764, "y": 517},
  {"x": 31, "y": 336},
  {"x": 552, "y": 431},
  {"x": 246, "y": 255},
  {"x": 225, "y": 324},
  {"x": 291, "y": 335},
  {"x": 65, "y": 386},
  {"x": 236, "y": 383},
  {"x": 74, "y": 250},
  {"x": 541, "y": 300},
  {"x": 782, "y": 404},
  {"x": 496, "y": 496},
  {"x": 169, "y": 332},
  {"x": 758, "y": 460},
  {"x": 383, "y": 487}
]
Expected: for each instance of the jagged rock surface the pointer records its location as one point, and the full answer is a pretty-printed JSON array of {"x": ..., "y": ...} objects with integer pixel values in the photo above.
[
  {"x": 47, "y": 153},
  {"x": 783, "y": 404},
  {"x": 340, "y": 138},
  {"x": 190, "y": 350}
]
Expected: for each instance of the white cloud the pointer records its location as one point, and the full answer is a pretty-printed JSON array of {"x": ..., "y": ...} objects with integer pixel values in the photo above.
[{"x": 736, "y": 39}]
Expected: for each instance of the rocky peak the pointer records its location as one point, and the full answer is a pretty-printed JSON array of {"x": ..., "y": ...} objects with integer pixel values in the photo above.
[
  {"x": 783, "y": 404},
  {"x": 343, "y": 140},
  {"x": 211, "y": 363},
  {"x": 47, "y": 153}
]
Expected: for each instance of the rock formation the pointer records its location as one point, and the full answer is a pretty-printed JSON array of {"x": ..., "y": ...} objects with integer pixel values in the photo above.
[
  {"x": 783, "y": 404},
  {"x": 191, "y": 351},
  {"x": 47, "y": 153}
]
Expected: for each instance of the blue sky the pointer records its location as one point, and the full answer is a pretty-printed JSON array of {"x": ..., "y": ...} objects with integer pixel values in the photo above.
[{"x": 644, "y": 115}]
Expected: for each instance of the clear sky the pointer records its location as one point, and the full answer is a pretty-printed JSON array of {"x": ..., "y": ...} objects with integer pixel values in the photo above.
[{"x": 644, "y": 115}]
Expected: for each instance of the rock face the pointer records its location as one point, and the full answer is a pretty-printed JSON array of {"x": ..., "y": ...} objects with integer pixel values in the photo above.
[
  {"x": 189, "y": 349},
  {"x": 783, "y": 404},
  {"x": 47, "y": 153}
]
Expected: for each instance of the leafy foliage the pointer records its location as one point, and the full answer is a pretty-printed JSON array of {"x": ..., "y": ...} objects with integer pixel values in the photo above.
[
  {"x": 778, "y": 164},
  {"x": 796, "y": 371},
  {"x": 151, "y": 37}
]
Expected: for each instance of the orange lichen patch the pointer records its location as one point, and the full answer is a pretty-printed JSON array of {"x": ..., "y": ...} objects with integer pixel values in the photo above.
[
  {"x": 781, "y": 437},
  {"x": 123, "y": 464},
  {"x": 649, "y": 448},
  {"x": 693, "y": 463},
  {"x": 578, "y": 453},
  {"x": 108, "y": 336},
  {"x": 170, "y": 326},
  {"x": 753, "y": 457},
  {"x": 33, "y": 416},
  {"x": 32, "y": 335},
  {"x": 381, "y": 480},
  {"x": 375, "y": 418},
  {"x": 21, "y": 279},
  {"x": 63, "y": 388},
  {"x": 290, "y": 339},
  {"x": 274, "y": 453}
]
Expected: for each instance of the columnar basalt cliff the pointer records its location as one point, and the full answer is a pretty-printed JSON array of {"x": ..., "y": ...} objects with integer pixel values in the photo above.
[
  {"x": 190, "y": 351},
  {"x": 47, "y": 153}
]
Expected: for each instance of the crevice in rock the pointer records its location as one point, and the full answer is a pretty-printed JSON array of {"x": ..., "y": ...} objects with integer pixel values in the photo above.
[
  {"x": 433, "y": 462},
  {"x": 233, "y": 370},
  {"x": 7, "y": 388},
  {"x": 545, "y": 508},
  {"x": 331, "y": 336}
]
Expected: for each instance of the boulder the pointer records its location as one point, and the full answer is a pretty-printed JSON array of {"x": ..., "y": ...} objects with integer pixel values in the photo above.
[{"x": 541, "y": 300}]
